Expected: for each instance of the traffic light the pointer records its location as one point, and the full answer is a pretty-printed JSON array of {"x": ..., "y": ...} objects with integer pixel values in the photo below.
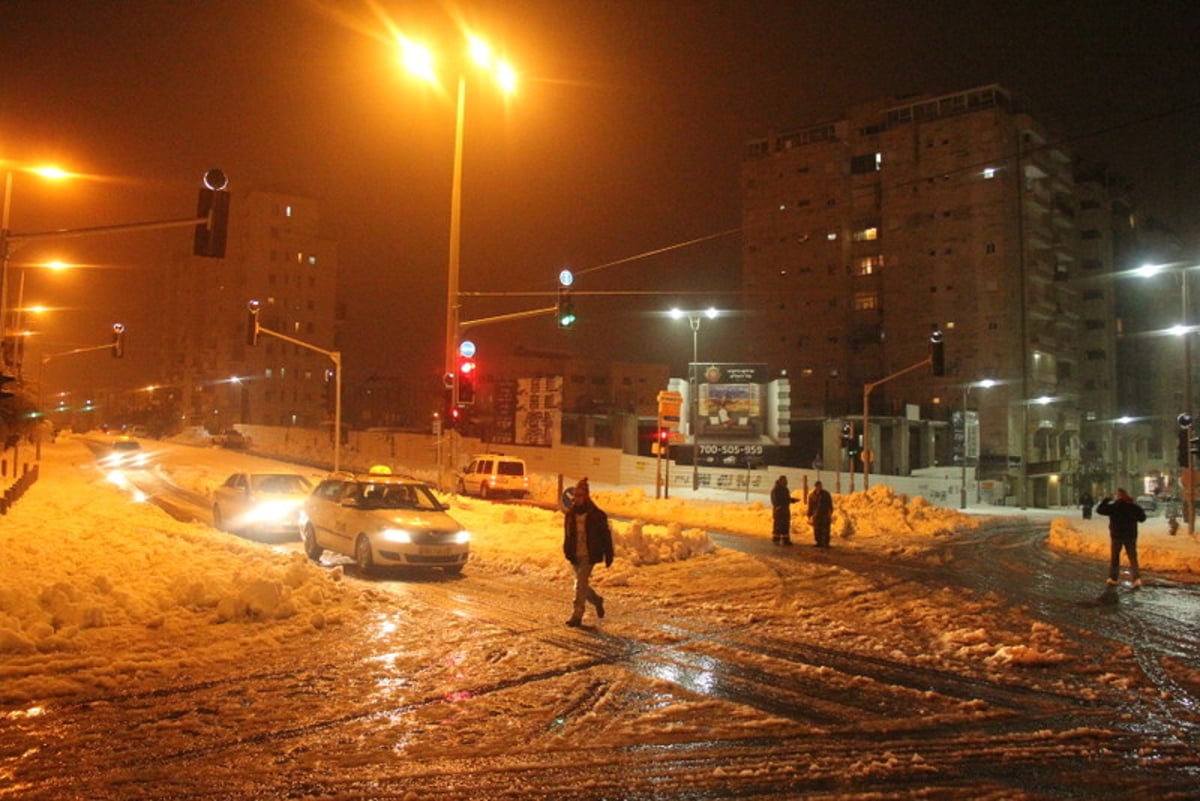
[
  {"x": 937, "y": 352},
  {"x": 466, "y": 381},
  {"x": 1185, "y": 444},
  {"x": 5, "y": 380},
  {"x": 566, "y": 308},
  {"x": 253, "y": 308},
  {"x": 213, "y": 203},
  {"x": 118, "y": 341},
  {"x": 847, "y": 435}
]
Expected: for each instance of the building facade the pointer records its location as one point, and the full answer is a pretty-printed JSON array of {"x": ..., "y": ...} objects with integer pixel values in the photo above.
[
  {"x": 959, "y": 213},
  {"x": 277, "y": 255}
]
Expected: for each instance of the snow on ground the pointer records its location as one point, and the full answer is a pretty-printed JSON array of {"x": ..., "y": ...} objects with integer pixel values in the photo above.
[{"x": 102, "y": 590}]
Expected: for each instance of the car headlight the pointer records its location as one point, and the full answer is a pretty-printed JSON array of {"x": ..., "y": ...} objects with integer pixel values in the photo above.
[
  {"x": 396, "y": 535},
  {"x": 271, "y": 511},
  {"x": 462, "y": 537}
]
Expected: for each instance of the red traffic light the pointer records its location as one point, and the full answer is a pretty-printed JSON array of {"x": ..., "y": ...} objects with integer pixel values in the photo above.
[{"x": 466, "y": 381}]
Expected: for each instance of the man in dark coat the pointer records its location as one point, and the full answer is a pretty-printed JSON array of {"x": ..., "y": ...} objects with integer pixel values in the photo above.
[
  {"x": 820, "y": 514},
  {"x": 781, "y": 512},
  {"x": 1123, "y": 517},
  {"x": 587, "y": 541}
]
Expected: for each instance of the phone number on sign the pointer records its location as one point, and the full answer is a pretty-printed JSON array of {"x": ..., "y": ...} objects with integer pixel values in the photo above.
[{"x": 731, "y": 450}]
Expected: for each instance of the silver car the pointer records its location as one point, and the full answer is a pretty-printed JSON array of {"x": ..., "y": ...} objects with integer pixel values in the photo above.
[
  {"x": 266, "y": 504},
  {"x": 382, "y": 520}
]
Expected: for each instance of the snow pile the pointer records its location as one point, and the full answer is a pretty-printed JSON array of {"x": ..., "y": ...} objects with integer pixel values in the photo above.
[
  {"x": 1158, "y": 549},
  {"x": 879, "y": 511}
]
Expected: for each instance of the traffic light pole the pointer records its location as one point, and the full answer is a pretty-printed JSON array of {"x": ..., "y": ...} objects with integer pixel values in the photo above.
[
  {"x": 336, "y": 358},
  {"x": 867, "y": 456}
]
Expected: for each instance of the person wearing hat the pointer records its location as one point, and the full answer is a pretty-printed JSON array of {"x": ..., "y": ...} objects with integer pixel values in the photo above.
[
  {"x": 1123, "y": 517},
  {"x": 781, "y": 512},
  {"x": 587, "y": 541}
]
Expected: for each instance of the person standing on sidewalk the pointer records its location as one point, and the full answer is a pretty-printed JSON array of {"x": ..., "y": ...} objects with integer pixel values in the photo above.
[
  {"x": 820, "y": 514},
  {"x": 587, "y": 541},
  {"x": 781, "y": 512},
  {"x": 1123, "y": 517}
]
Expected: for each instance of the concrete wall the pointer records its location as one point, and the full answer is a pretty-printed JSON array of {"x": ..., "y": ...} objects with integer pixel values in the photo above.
[{"x": 418, "y": 454}]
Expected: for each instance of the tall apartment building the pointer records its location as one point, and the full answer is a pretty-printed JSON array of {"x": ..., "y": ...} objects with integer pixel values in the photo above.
[
  {"x": 276, "y": 255},
  {"x": 957, "y": 212}
]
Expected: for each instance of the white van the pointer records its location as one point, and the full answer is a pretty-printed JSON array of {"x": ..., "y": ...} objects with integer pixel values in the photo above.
[{"x": 493, "y": 475}]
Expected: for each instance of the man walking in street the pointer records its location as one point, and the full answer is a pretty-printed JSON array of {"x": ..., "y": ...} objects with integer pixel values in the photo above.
[
  {"x": 587, "y": 541},
  {"x": 1123, "y": 517},
  {"x": 820, "y": 514}
]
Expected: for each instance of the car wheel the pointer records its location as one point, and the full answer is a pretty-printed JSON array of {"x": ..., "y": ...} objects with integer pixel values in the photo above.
[
  {"x": 453, "y": 570},
  {"x": 483, "y": 491},
  {"x": 218, "y": 520},
  {"x": 362, "y": 554},
  {"x": 462, "y": 487},
  {"x": 309, "y": 535}
]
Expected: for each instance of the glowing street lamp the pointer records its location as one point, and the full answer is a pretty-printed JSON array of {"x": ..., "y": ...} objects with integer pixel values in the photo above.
[
  {"x": 419, "y": 61},
  {"x": 49, "y": 173}
]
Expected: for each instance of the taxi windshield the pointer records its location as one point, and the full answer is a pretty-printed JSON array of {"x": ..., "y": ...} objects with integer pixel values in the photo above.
[{"x": 399, "y": 496}]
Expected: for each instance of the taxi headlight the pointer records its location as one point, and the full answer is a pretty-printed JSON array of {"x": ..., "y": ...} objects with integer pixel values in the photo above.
[
  {"x": 462, "y": 537},
  {"x": 396, "y": 535}
]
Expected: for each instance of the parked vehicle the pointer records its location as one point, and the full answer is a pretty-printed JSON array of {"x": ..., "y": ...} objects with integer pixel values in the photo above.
[
  {"x": 493, "y": 475},
  {"x": 381, "y": 520},
  {"x": 231, "y": 438},
  {"x": 266, "y": 504}
]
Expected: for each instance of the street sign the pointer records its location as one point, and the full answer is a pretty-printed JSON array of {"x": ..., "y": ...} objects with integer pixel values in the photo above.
[{"x": 669, "y": 406}]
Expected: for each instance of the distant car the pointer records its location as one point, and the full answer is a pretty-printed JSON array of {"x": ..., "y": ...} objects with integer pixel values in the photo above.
[
  {"x": 1148, "y": 503},
  {"x": 124, "y": 452},
  {"x": 493, "y": 475},
  {"x": 382, "y": 520},
  {"x": 266, "y": 504},
  {"x": 231, "y": 438}
]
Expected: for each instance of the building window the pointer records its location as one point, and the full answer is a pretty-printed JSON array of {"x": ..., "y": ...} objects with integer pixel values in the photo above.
[
  {"x": 867, "y": 234},
  {"x": 990, "y": 247},
  {"x": 831, "y": 236},
  {"x": 1095, "y": 355},
  {"x": 868, "y": 265},
  {"x": 866, "y": 163},
  {"x": 989, "y": 173},
  {"x": 866, "y": 301}
]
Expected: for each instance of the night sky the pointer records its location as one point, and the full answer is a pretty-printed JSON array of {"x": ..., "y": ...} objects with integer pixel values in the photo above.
[{"x": 625, "y": 137}]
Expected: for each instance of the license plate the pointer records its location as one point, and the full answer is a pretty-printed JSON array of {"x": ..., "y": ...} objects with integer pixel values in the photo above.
[{"x": 433, "y": 550}]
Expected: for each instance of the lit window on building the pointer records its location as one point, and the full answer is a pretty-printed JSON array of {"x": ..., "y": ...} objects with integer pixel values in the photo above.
[
  {"x": 868, "y": 265},
  {"x": 866, "y": 301}
]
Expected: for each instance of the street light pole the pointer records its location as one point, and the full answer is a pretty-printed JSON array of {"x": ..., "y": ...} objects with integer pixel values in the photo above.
[
  {"x": 694, "y": 318},
  {"x": 1189, "y": 489},
  {"x": 452, "y": 269},
  {"x": 4, "y": 221},
  {"x": 694, "y": 321}
]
